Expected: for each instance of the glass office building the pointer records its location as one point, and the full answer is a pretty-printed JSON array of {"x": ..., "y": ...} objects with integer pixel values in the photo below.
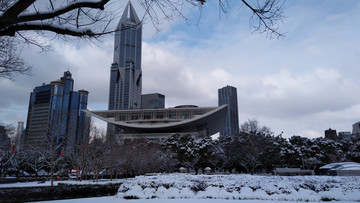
[
  {"x": 228, "y": 95},
  {"x": 55, "y": 111},
  {"x": 125, "y": 74}
]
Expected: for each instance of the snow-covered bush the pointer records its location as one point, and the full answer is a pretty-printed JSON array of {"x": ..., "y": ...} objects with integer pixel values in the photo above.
[{"x": 243, "y": 187}]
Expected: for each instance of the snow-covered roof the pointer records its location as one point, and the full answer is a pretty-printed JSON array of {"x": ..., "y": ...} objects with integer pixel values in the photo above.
[{"x": 341, "y": 166}]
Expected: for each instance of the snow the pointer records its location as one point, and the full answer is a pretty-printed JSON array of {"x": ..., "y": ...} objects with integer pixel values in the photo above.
[
  {"x": 242, "y": 187},
  {"x": 113, "y": 199},
  {"x": 342, "y": 166},
  {"x": 48, "y": 183},
  {"x": 179, "y": 188}
]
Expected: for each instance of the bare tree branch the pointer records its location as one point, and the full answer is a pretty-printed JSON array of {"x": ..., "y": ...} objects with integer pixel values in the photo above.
[
  {"x": 40, "y": 26},
  {"x": 57, "y": 12},
  {"x": 10, "y": 62},
  {"x": 266, "y": 15}
]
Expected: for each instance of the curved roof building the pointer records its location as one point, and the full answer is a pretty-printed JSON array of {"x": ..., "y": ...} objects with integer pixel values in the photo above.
[{"x": 162, "y": 123}]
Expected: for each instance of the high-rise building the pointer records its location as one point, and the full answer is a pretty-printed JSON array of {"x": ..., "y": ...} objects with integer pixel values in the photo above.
[
  {"x": 228, "y": 95},
  {"x": 152, "y": 101},
  {"x": 55, "y": 111},
  {"x": 125, "y": 74},
  {"x": 19, "y": 139}
]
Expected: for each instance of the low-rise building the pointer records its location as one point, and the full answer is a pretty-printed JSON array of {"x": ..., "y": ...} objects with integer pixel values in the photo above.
[{"x": 157, "y": 124}]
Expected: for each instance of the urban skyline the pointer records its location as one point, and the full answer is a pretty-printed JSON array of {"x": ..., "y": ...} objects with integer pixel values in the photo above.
[
  {"x": 301, "y": 84},
  {"x": 55, "y": 112}
]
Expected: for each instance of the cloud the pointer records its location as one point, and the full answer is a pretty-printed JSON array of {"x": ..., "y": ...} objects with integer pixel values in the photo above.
[
  {"x": 301, "y": 84},
  {"x": 275, "y": 97},
  {"x": 90, "y": 68}
]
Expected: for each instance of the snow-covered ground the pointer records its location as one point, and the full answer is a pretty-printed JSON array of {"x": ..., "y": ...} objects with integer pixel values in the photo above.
[
  {"x": 242, "y": 187},
  {"x": 181, "y": 188},
  {"x": 113, "y": 199},
  {"x": 48, "y": 183}
]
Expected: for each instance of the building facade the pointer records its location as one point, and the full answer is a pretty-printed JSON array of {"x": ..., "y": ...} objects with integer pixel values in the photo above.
[
  {"x": 228, "y": 95},
  {"x": 55, "y": 112},
  {"x": 20, "y": 134},
  {"x": 330, "y": 134},
  {"x": 125, "y": 74},
  {"x": 152, "y": 101},
  {"x": 356, "y": 128},
  {"x": 158, "y": 124}
]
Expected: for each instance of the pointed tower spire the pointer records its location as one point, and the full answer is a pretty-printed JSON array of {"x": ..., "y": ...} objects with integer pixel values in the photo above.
[{"x": 129, "y": 15}]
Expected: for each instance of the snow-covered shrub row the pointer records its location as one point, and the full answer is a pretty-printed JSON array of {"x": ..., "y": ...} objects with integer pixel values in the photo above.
[{"x": 248, "y": 187}]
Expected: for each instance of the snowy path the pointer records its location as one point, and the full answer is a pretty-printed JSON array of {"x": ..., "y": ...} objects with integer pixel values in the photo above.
[{"x": 113, "y": 199}]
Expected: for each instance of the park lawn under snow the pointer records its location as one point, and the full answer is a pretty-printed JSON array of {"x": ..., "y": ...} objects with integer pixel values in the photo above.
[
  {"x": 48, "y": 183},
  {"x": 242, "y": 187}
]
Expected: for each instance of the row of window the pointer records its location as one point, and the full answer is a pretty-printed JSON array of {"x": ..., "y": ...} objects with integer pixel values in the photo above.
[{"x": 156, "y": 115}]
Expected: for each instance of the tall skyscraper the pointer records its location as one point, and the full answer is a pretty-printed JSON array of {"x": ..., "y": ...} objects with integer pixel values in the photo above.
[
  {"x": 125, "y": 75},
  {"x": 55, "y": 111},
  {"x": 228, "y": 95}
]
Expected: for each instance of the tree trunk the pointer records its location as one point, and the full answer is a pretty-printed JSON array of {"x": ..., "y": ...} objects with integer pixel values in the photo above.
[{"x": 52, "y": 166}]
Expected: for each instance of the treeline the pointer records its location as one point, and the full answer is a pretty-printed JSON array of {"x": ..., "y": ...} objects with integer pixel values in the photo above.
[{"x": 250, "y": 151}]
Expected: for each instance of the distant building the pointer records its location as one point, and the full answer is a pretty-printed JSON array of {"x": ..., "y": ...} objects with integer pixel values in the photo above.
[
  {"x": 345, "y": 135},
  {"x": 20, "y": 134},
  {"x": 330, "y": 134},
  {"x": 55, "y": 110},
  {"x": 356, "y": 128},
  {"x": 152, "y": 101},
  {"x": 228, "y": 95}
]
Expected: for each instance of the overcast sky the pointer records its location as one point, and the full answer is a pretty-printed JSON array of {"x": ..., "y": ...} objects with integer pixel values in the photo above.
[{"x": 301, "y": 84}]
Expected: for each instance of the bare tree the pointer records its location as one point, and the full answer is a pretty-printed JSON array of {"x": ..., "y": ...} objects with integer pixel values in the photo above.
[
  {"x": 266, "y": 16},
  {"x": 64, "y": 18},
  {"x": 73, "y": 18},
  {"x": 252, "y": 126},
  {"x": 10, "y": 62},
  {"x": 95, "y": 153},
  {"x": 35, "y": 161}
]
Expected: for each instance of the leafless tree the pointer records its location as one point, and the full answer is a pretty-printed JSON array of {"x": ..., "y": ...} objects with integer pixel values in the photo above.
[
  {"x": 11, "y": 63},
  {"x": 140, "y": 156},
  {"x": 64, "y": 18},
  {"x": 36, "y": 161},
  {"x": 253, "y": 126},
  {"x": 16, "y": 162},
  {"x": 74, "y": 18},
  {"x": 95, "y": 152},
  {"x": 112, "y": 154},
  {"x": 266, "y": 16}
]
